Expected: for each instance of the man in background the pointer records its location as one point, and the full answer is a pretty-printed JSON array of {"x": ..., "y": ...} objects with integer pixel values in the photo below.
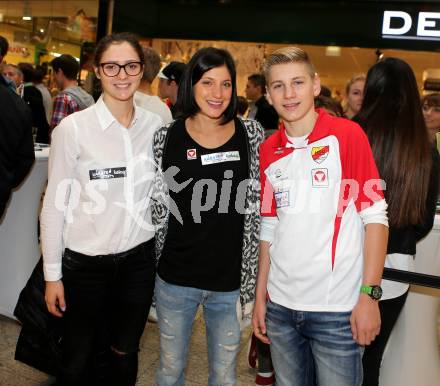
[
  {"x": 32, "y": 96},
  {"x": 16, "y": 145},
  {"x": 144, "y": 96},
  {"x": 4, "y": 47},
  {"x": 14, "y": 78},
  {"x": 169, "y": 79},
  {"x": 259, "y": 108},
  {"x": 39, "y": 73},
  {"x": 72, "y": 98}
]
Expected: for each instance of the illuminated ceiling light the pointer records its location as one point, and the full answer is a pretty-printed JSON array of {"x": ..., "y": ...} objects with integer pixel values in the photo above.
[
  {"x": 42, "y": 30},
  {"x": 379, "y": 55},
  {"x": 332, "y": 51},
  {"x": 57, "y": 54},
  {"x": 26, "y": 11}
]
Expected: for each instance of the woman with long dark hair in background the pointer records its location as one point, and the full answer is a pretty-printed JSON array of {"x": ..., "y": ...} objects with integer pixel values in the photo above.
[{"x": 392, "y": 118}]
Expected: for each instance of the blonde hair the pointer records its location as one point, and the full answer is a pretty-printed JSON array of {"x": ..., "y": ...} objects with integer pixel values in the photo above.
[
  {"x": 354, "y": 80},
  {"x": 288, "y": 55}
]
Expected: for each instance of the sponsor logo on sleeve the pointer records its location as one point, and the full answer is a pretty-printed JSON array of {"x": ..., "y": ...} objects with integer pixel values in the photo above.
[{"x": 320, "y": 153}]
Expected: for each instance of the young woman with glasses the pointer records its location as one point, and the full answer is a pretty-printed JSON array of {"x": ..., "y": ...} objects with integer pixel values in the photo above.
[
  {"x": 97, "y": 238},
  {"x": 207, "y": 211}
]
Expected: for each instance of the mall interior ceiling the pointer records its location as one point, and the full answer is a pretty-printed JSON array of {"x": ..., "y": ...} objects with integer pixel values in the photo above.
[{"x": 333, "y": 59}]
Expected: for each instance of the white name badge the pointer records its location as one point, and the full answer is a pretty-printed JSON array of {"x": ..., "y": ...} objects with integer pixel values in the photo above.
[
  {"x": 282, "y": 199},
  {"x": 216, "y": 158}
]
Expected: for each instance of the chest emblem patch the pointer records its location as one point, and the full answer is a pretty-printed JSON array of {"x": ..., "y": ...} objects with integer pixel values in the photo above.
[
  {"x": 191, "y": 154},
  {"x": 320, "y": 153},
  {"x": 320, "y": 178}
]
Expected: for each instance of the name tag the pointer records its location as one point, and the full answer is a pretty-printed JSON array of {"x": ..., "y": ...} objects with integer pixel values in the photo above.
[
  {"x": 107, "y": 173},
  {"x": 282, "y": 199},
  {"x": 215, "y": 158}
]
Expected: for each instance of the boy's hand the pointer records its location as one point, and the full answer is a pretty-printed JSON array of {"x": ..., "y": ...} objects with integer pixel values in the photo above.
[
  {"x": 259, "y": 321},
  {"x": 365, "y": 320}
]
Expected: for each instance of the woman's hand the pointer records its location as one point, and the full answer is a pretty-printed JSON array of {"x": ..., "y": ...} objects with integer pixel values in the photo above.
[{"x": 54, "y": 297}]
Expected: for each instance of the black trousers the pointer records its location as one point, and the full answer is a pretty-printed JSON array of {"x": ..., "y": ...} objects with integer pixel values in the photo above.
[
  {"x": 389, "y": 312},
  {"x": 107, "y": 303}
]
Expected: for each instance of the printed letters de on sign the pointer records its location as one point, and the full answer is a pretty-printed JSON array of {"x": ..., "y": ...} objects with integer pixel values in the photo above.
[{"x": 398, "y": 24}]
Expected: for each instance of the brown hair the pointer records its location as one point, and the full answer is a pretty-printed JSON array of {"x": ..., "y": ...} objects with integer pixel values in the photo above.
[
  {"x": 117, "y": 38},
  {"x": 329, "y": 104},
  {"x": 288, "y": 55},
  {"x": 431, "y": 99},
  {"x": 152, "y": 64}
]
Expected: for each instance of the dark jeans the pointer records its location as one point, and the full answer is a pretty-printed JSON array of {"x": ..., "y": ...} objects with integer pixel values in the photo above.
[
  {"x": 389, "y": 312},
  {"x": 107, "y": 302},
  {"x": 313, "y": 348}
]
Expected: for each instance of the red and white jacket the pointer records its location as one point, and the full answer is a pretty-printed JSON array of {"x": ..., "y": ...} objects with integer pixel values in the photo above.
[{"x": 316, "y": 197}]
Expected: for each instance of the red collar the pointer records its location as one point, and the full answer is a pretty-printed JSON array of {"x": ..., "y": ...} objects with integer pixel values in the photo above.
[{"x": 320, "y": 130}]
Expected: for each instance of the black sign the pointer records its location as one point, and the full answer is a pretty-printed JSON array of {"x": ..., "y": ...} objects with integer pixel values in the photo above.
[{"x": 413, "y": 25}]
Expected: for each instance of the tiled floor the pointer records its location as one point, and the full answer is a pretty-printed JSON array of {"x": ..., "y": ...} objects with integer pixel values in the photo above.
[{"x": 13, "y": 373}]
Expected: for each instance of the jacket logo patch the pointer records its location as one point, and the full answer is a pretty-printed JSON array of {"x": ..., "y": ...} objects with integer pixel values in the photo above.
[
  {"x": 320, "y": 153},
  {"x": 320, "y": 178}
]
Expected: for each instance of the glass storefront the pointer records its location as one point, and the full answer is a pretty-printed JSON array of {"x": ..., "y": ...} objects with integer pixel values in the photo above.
[
  {"x": 39, "y": 31},
  {"x": 335, "y": 65}
]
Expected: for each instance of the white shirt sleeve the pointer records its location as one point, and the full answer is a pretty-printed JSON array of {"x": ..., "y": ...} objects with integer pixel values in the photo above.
[
  {"x": 62, "y": 161},
  {"x": 268, "y": 226},
  {"x": 375, "y": 214}
]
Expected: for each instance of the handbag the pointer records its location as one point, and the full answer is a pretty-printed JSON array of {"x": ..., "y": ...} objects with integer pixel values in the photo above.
[{"x": 39, "y": 343}]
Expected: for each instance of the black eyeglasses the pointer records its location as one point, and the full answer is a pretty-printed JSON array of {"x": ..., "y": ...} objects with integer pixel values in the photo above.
[{"x": 113, "y": 69}]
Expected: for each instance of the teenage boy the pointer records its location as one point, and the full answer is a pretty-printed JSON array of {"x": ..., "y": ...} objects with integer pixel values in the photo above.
[{"x": 323, "y": 236}]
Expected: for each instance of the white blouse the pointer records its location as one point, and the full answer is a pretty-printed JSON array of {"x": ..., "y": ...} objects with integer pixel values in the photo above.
[{"x": 100, "y": 180}]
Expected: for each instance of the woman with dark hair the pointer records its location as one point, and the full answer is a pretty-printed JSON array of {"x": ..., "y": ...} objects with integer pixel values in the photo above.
[
  {"x": 96, "y": 231},
  {"x": 392, "y": 118},
  {"x": 431, "y": 113},
  {"x": 206, "y": 208}
]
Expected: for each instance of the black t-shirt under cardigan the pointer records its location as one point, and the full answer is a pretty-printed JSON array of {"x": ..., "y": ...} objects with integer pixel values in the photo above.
[{"x": 204, "y": 251}]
